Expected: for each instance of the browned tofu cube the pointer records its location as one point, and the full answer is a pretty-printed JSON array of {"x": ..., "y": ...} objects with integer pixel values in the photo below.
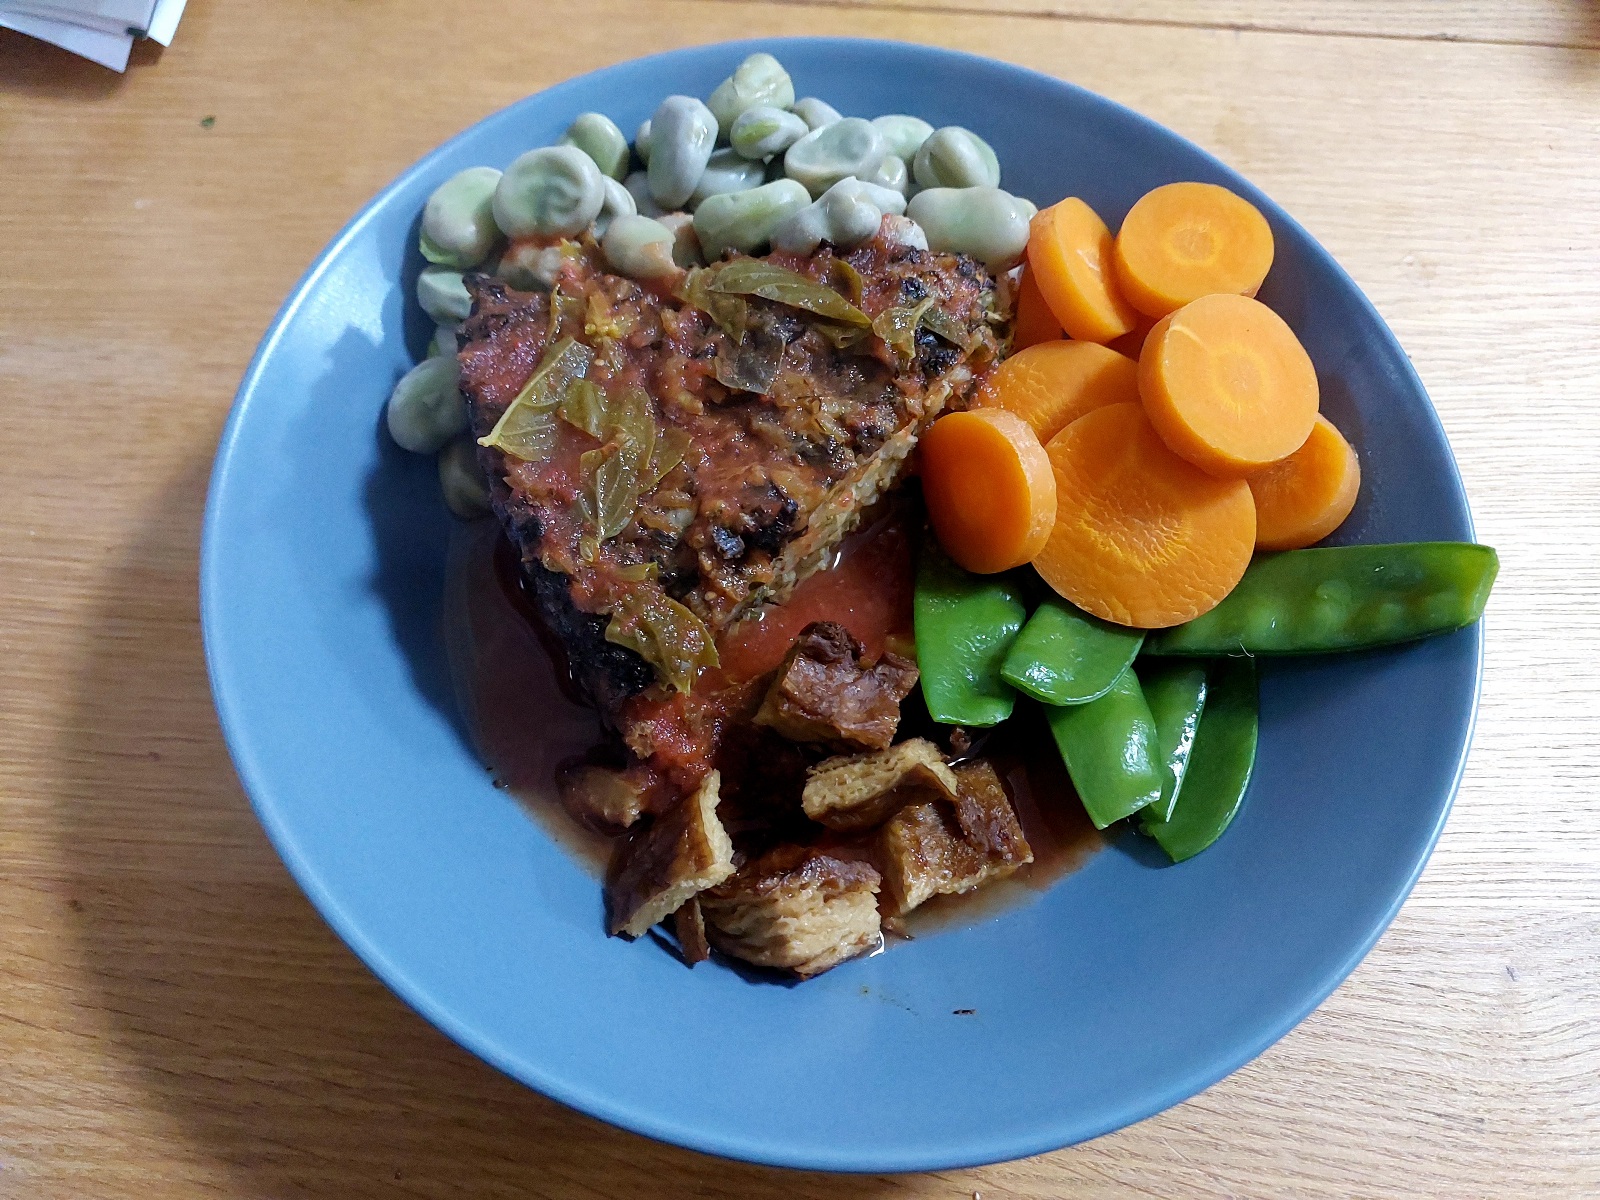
[
  {"x": 602, "y": 798},
  {"x": 823, "y": 693},
  {"x": 935, "y": 846},
  {"x": 862, "y": 791},
  {"x": 797, "y": 909},
  {"x": 683, "y": 852}
]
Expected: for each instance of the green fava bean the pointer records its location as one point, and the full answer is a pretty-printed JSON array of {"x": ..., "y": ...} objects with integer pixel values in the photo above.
[
  {"x": 1109, "y": 746},
  {"x": 619, "y": 202},
  {"x": 639, "y": 248},
  {"x": 597, "y": 136},
  {"x": 727, "y": 171},
  {"x": 892, "y": 175},
  {"x": 1065, "y": 656},
  {"x": 904, "y": 134},
  {"x": 744, "y": 221},
  {"x": 446, "y": 341},
  {"x": 682, "y": 135},
  {"x": 964, "y": 626},
  {"x": 954, "y": 157},
  {"x": 641, "y": 143},
  {"x": 554, "y": 191},
  {"x": 1341, "y": 598},
  {"x": 1176, "y": 693},
  {"x": 458, "y": 228},
  {"x": 761, "y": 132},
  {"x": 461, "y": 479},
  {"x": 816, "y": 113},
  {"x": 443, "y": 295},
  {"x": 425, "y": 410},
  {"x": 759, "y": 82},
  {"x": 983, "y": 222},
  {"x": 823, "y": 157},
  {"x": 1220, "y": 764}
]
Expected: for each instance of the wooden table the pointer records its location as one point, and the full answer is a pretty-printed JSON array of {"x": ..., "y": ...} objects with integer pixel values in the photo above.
[{"x": 175, "y": 1019}]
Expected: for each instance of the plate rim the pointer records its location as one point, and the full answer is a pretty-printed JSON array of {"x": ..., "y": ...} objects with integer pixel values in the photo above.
[{"x": 1042, "y": 1136}]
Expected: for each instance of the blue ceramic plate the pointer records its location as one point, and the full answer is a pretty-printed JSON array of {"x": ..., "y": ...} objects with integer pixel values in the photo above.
[{"x": 1126, "y": 988}]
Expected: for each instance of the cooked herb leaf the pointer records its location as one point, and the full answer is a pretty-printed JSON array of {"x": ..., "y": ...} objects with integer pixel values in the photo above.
[
  {"x": 527, "y": 428},
  {"x": 897, "y": 326},
  {"x": 942, "y": 324},
  {"x": 727, "y": 311},
  {"x": 756, "y": 277},
  {"x": 585, "y": 407},
  {"x": 664, "y": 633},
  {"x": 754, "y": 363},
  {"x": 671, "y": 447}
]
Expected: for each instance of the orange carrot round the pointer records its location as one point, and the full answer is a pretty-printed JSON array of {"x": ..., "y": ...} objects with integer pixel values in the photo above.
[
  {"x": 1305, "y": 497},
  {"x": 1187, "y": 240},
  {"x": 1228, "y": 385},
  {"x": 1141, "y": 537},
  {"x": 1034, "y": 322},
  {"x": 1052, "y": 384},
  {"x": 989, "y": 489},
  {"x": 1070, "y": 255},
  {"x": 1132, "y": 342}
]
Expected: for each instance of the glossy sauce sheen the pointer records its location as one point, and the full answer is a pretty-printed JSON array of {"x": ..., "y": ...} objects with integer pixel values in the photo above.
[{"x": 525, "y": 723}]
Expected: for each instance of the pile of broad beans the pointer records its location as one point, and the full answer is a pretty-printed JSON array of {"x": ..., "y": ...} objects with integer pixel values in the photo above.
[{"x": 748, "y": 169}]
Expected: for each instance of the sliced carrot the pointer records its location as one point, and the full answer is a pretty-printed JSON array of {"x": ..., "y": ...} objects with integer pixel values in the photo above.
[
  {"x": 1052, "y": 384},
  {"x": 1187, "y": 240},
  {"x": 1132, "y": 342},
  {"x": 1034, "y": 322},
  {"x": 1070, "y": 254},
  {"x": 990, "y": 492},
  {"x": 1228, "y": 385},
  {"x": 1141, "y": 537},
  {"x": 1305, "y": 497}
]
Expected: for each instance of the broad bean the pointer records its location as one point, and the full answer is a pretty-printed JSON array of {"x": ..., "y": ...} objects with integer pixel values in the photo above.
[
  {"x": 903, "y": 231},
  {"x": 425, "y": 409},
  {"x": 618, "y": 202},
  {"x": 763, "y": 131},
  {"x": 893, "y": 175},
  {"x": 458, "y": 228},
  {"x": 904, "y": 134},
  {"x": 849, "y": 146},
  {"x": 887, "y": 199},
  {"x": 597, "y": 136},
  {"x": 843, "y": 215},
  {"x": 638, "y": 186},
  {"x": 727, "y": 171},
  {"x": 760, "y": 80},
  {"x": 745, "y": 220},
  {"x": 954, "y": 157},
  {"x": 461, "y": 479},
  {"x": 445, "y": 342},
  {"x": 528, "y": 267},
  {"x": 686, "y": 243},
  {"x": 641, "y": 143},
  {"x": 551, "y": 191},
  {"x": 639, "y": 248},
  {"x": 442, "y": 294},
  {"x": 682, "y": 135},
  {"x": 984, "y": 222},
  {"x": 815, "y": 113}
]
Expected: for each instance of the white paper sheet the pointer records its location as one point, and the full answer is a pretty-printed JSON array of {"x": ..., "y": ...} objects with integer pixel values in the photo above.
[
  {"x": 107, "y": 49},
  {"x": 102, "y": 31},
  {"x": 164, "y": 22}
]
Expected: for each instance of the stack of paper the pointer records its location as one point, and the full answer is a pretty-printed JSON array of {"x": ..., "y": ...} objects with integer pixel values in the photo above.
[{"x": 102, "y": 30}]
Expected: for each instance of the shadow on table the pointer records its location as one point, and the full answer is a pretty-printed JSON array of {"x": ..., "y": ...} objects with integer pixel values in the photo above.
[{"x": 285, "y": 1061}]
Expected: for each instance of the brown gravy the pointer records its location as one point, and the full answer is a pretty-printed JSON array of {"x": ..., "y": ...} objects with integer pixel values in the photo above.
[{"x": 524, "y": 724}]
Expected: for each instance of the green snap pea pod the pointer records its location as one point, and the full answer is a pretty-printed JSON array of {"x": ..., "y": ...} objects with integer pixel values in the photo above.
[
  {"x": 443, "y": 295},
  {"x": 727, "y": 171},
  {"x": 904, "y": 134},
  {"x": 1176, "y": 693},
  {"x": 815, "y": 113},
  {"x": 597, "y": 136},
  {"x": 759, "y": 82},
  {"x": 466, "y": 490},
  {"x": 763, "y": 131},
  {"x": 847, "y": 147},
  {"x": 1219, "y": 765},
  {"x": 964, "y": 625},
  {"x": 1109, "y": 746},
  {"x": 1065, "y": 656},
  {"x": 682, "y": 135},
  {"x": 458, "y": 228},
  {"x": 954, "y": 157},
  {"x": 984, "y": 222},
  {"x": 554, "y": 190},
  {"x": 1341, "y": 598}
]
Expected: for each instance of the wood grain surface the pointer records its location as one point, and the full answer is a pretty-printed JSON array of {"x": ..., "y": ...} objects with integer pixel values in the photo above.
[{"x": 176, "y": 1021}]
